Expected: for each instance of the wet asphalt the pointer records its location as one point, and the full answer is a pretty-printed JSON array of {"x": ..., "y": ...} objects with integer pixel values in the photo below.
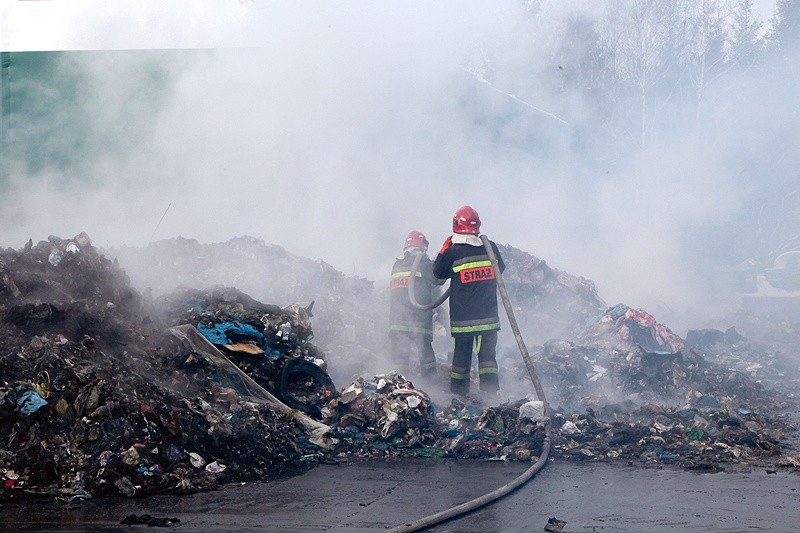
[{"x": 376, "y": 495}]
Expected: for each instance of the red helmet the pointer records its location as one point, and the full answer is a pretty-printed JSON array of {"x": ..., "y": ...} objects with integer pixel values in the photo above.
[
  {"x": 466, "y": 220},
  {"x": 417, "y": 239}
]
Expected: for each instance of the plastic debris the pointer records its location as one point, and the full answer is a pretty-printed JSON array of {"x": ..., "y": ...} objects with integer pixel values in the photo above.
[
  {"x": 125, "y": 486},
  {"x": 196, "y": 460},
  {"x": 55, "y": 257},
  {"x": 30, "y": 402},
  {"x": 215, "y": 467},
  {"x": 554, "y": 525},
  {"x": 633, "y": 327},
  {"x": 147, "y": 520},
  {"x": 533, "y": 410},
  {"x": 131, "y": 456}
]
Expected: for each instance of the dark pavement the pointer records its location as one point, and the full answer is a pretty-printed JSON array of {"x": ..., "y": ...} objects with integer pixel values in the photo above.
[{"x": 377, "y": 495}]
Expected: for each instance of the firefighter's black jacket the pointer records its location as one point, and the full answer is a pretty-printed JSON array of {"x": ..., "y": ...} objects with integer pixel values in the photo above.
[
  {"x": 473, "y": 287},
  {"x": 403, "y": 317}
]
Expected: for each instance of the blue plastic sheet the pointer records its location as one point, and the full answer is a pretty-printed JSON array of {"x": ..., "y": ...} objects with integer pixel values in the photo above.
[
  {"x": 30, "y": 402},
  {"x": 218, "y": 333}
]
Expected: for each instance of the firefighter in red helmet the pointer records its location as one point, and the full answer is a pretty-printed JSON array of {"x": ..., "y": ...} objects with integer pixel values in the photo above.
[
  {"x": 411, "y": 329},
  {"x": 474, "y": 320}
]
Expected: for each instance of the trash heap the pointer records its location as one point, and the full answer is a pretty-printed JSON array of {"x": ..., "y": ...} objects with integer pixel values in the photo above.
[
  {"x": 627, "y": 387},
  {"x": 95, "y": 399},
  {"x": 767, "y": 352},
  {"x": 387, "y": 415},
  {"x": 510, "y": 431},
  {"x": 272, "y": 345},
  {"x": 703, "y": 434},
  {"x": 623, "y": 327},
  {"x": 382, "y": 416},
  {"x": 550, "y": 303},
  {"x": 625, "y": 354},
  {"x": 350, "y": 320},
  {"x": 267, "y": 272}
]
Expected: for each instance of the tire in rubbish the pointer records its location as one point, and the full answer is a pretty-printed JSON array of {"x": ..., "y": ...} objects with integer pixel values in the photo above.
[{"x": 299, "y": 368}]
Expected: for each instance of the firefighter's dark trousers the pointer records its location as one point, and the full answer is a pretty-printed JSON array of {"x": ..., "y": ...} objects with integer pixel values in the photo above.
[
  {"x": 485, "y": 345},
  {"x": 406, "y": 347}
]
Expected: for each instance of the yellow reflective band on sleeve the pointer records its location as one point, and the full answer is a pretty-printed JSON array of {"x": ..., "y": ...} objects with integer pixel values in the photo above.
[
  {"x": 487, "y": 371},
  {"x": 473, "y": 329},
  {"x": 411, "y": 329},
  {"x": 405, "y": 274},
  {"x": 456, "y": 375},
  {"x": 475, "y": 264}
]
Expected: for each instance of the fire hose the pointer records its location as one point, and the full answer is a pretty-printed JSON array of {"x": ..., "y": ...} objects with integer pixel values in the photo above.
[
  {"x": 520, "y": 480},
  {"x": 412, "y": 295}
]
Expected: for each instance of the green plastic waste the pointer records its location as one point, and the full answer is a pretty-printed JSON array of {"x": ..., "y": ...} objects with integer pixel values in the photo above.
[
  {"x": 695, "y": 434},
  {"x": 429, "y": 452}
]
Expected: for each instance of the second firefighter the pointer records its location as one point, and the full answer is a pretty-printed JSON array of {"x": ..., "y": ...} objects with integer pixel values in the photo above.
[{"x": 411, "y": 329}]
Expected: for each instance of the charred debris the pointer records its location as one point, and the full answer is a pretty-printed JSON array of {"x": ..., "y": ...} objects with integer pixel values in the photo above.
[{"x": 100, "y": 394}]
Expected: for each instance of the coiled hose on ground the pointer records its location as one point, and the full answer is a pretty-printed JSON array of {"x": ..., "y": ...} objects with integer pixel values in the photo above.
[{"x": 488, "y": 498}]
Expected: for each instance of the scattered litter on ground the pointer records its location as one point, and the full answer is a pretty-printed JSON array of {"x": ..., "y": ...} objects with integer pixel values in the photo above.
[
  {"x": 147, "y": 520},
  {"x": 554, "y": 525}
]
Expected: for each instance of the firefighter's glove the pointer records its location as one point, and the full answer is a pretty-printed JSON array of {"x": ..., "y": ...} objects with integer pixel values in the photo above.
[{"x": 447, "y": 244}]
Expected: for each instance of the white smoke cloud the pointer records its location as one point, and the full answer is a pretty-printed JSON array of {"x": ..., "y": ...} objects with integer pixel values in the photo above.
[{"x": 332, "y": 129}]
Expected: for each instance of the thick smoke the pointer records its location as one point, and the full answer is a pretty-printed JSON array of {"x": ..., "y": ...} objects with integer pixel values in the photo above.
[{"x": 333, "y": 129}]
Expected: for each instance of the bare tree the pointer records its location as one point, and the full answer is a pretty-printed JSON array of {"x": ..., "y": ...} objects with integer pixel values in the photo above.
[
  {"x": 640, "y": 41},
  {"x": 707, "y": 23},
  {"x": 745, "y": 42},
  {"x": 784, "y": 35}
]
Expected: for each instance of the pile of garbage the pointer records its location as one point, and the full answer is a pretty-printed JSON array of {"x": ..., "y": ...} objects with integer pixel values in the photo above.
[
  {"x": 350, "y": 320},
  {"x": 387, "y": 415},
  {"x": 623, "y": 327},
  {"x": 95, "y": 399},
  {"x": 272, "y": 345},
  {"x": 267, "y": 272},
  {"x": 103, "y": 392},
  {"x": 510, "y": 431},
  {"x": 627, "y": 387},
  {"x": 766, "y": 350},
  {"x": 704, "y": 434},
  {"x": 550, "y": 303},
  {"x": 625, "y": 354}
]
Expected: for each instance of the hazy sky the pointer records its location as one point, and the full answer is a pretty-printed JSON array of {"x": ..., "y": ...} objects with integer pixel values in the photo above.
[
  {"x": 107, "y": 24},
  {"x": 334, "y": 128}
]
